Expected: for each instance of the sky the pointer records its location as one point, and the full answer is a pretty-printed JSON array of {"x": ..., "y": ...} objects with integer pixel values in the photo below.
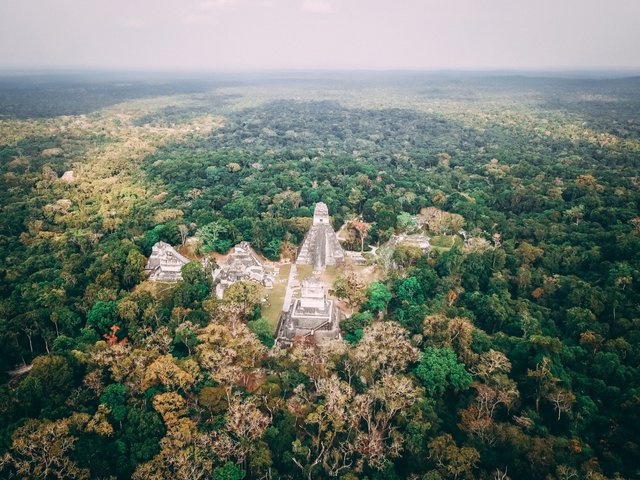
[{"x": 236, "y": 35}]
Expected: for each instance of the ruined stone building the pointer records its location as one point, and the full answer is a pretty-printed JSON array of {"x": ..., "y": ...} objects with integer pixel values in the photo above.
[
  {"x": 311, "y": 315},
  {"x": 165, "y": 264},
  {"x": 67, "y": 176},
  {"x": 241, "y": 264},
  {"x": 320, "y": 246},
  {"x": 414, "y": 240}
]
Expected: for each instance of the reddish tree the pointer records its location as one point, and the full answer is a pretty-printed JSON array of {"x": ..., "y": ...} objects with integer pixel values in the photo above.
[
  {"x": 112, "y": 338},
  {"x": 537, "y": 293},
  {"x": 363, "y": 230}
]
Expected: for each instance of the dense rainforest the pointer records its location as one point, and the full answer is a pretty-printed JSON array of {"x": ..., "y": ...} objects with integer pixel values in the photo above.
[{"x": 510, "y": 349}]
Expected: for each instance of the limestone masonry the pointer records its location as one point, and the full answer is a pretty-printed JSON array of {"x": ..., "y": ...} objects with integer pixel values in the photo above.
[
  {"x": 165, "y": 264},
  {"x": 320, "y": 246},
  {"x": 241, "y": 264},
  {"x": 313, "y": 315}
]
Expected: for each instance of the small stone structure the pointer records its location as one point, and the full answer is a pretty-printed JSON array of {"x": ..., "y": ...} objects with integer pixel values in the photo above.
[
  {"x": 165, "y": 264},
  {"x": 415, "y": 240},
  {"x": 312, "y": 315},
  {"x": 241, "y": 264},
  {"x": 67, "y": 176},
  {"x": 320, "y": 246},
  {"x": 356, "y": 258}
]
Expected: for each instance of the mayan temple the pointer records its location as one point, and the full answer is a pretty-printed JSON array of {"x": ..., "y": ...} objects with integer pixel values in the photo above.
[
  {"x": 165, "y": 264},
  {"x": 320, "y": 246},
  {"x": 241, "y": 264},
  {"x": 312, "y": 315}
]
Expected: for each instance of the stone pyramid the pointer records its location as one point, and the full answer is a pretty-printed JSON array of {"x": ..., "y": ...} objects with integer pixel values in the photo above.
[{"x": 320, "y": 246}]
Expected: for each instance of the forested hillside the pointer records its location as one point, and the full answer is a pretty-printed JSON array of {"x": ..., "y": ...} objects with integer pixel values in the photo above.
[{"x": 511, "y": 349}]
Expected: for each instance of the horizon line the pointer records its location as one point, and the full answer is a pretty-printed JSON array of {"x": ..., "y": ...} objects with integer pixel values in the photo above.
[
  {"x": 95, "y": 68},
  {"x": 600, "y": 72}
]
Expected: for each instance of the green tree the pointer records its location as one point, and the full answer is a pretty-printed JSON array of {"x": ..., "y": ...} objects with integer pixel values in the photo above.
[
  {"x": 263, "y": 330},
  {"x": 193, "y": 273},
  {"x": 141, "y": 435},
  {"x": 409, "y": 291},
  {"x": 103, "y": 315},
  {"x": 439, "y": 369},
  {"x": 134, "y": 268},
  {"x": 114, "y": 397},
  {"x": 405, "y": 221},
  {"x": 378, "y": 297},
  {"x": 47, "y": 386},
  {"x": 272, "y": 249},
  {"x": 209, "y": 235},
  {"x": 229, "y": 471},
  {"x": 186, "y": 335}
]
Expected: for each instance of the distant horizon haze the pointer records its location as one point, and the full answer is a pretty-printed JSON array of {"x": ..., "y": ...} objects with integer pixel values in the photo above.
[{"x": 239, "y": 36}]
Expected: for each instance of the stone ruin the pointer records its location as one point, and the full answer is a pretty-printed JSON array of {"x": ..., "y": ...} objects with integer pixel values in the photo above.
[
  {"x": 67, "y": 176},
  {"x": 356, "y": 258},
  {"x": 165, "y": 264},
  {"x": 414, "y": 240},
  {"x": 312, "y": 315},
  {"x": 241, "y": 264},
  {"x": 320, "y": 246}
]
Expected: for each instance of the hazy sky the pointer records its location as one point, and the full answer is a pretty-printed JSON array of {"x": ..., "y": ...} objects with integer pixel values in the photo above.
[{"x": 319, "y": 34}]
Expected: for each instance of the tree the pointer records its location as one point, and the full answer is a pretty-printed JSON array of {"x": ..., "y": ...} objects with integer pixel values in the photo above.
[
  {"x": 441, "y": 222},
  {"x": 184, "y": 232},
  {"x": 405, "y": 222},
  {"x": 165, "y": 371},
  {"x": 112, "y": 337},
  {"x": 378, "y": 297},
  {"x": 409, "y": 291},
  {"x": 47, "y": 386},
  {"x": 183, "y": 454},
  {"x": 406, "y": 256},
  {"x": 209, "y": 235},
  {"x": 272, "y": 249},
  {"x": 215, "y": 399},
  {"x": 543, "y": 378},
  {"x": 384, "y": 347},
  {"x": 528, "y": 253},
  {"x": 128, "y": 309},
  {"x": 142, "y": 433},
  {"x": 455, "y": 333},
  {"x": 103, "y": 315},
  {"x": 229, "y": 471},
  {"x": 362, "y": 229},
  {"x": 248, "y": 294},
  {"x": 263, "y": 330},
  {"x": 491, "y": 364},
  {"x": 353, "y": 326},
  {"x": 193, "y": 273},
  {"x": 450, "y": 460},
  {"x": 134, "y": 268},
  {"x": 194, "y": 287},
  {"x": 349, "y": 287},
  {"x": 575, "y": 213},
  {"x": 246, "y": 424},
  {"x": 439, "y": 368},
  {"x": 229, "y": 354},
  {"x": 114, "y": 397},
  {"x": 42, "y": 448},
  {"x": 186, "y": 335},
  {"x": 562, "y": 400}
]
